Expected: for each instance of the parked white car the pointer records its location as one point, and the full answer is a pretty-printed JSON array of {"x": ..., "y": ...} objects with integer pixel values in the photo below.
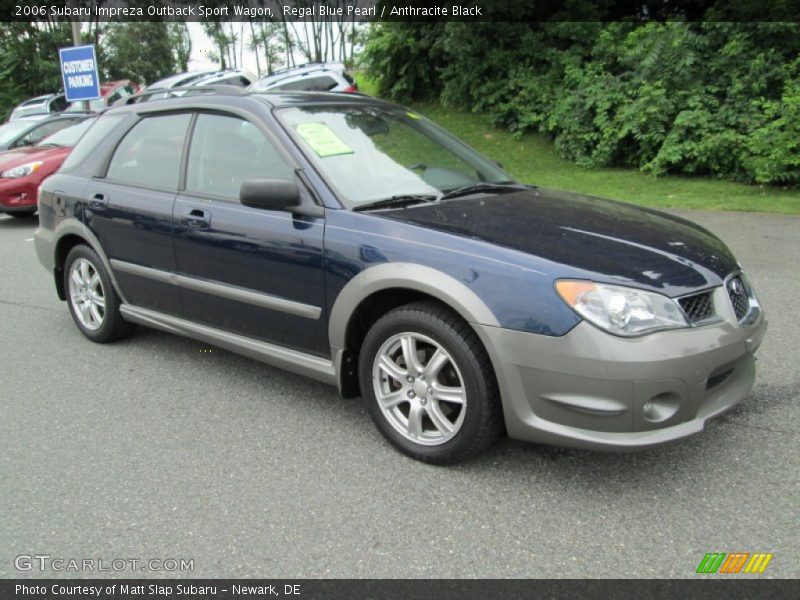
[
  {"x": 40, "y": 107},
  {"x": 310, "y": 77}
]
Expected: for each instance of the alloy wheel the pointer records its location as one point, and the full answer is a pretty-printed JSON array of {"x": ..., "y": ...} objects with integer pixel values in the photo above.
[
  {"x": 419, "y": 388},
  {"x": 86, "y": 294}
]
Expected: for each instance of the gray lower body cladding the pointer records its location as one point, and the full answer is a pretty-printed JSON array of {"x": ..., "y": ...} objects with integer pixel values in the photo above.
[{"x": 590, "y": 389}]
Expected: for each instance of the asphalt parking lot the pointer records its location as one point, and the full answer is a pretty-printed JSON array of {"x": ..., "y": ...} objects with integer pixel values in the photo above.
[{"x": 157, "y": 447}]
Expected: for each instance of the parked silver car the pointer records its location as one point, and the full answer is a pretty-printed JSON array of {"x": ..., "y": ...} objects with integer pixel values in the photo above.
[
  {"x": 40, "y": 107},
  {"x": 311, "y": 77},
  {"x": 179, "y": 80},
  {"x": 234, "y": 77},
  {"x": 29, "y": 131}
]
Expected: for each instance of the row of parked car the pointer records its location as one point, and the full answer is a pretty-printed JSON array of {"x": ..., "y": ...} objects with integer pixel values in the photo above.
[
  {"x": 316, "y": 77},
  {"x": 311, "y": 77},
  {"x": 41, "y": 131}
]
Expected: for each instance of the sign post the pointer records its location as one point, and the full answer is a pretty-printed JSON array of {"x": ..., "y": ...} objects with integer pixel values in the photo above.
[{"x": 79, "y": 73}]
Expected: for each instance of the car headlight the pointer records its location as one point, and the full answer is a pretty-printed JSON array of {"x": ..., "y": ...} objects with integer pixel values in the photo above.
[
  {"x": 621, "y": 310},
  {"x": 21, "y": 171}
]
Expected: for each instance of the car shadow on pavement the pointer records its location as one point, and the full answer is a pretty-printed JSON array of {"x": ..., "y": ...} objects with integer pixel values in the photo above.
[
  {"x": 27, "y": 222},
  {"x": 509, "y": 459}
]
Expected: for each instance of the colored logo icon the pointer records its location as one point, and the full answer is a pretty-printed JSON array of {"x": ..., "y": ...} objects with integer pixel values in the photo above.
[{"x": 734, "y": 562}]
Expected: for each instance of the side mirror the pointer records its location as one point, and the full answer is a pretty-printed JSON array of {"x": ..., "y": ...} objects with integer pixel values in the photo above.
[
  {"x": 498, "y": 163},
  {"x": 269, "y": 194}
]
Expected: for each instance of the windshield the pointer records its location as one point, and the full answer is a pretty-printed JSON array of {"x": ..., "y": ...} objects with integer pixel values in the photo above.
[
  {"x": 10, "y": 131},
  {"x": 67, "y": 137},
  {"x": 370, "y": 153}
]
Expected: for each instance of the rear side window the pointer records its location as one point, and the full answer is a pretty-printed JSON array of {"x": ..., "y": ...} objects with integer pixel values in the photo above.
[
  {"x": 95, "y": 134},
  {"x": 225, "y": 152},
  {"x": 238, "y": 81},
  {"x": 309, "y": 84},
  {"x": 59, "y": 103},
  {"x": 150, "y": 154}
]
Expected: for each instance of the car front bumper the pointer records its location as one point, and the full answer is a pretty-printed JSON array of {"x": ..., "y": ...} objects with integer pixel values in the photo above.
[
  {"x": 590, "y": 389},
  {"x": 17, "y": 195}
]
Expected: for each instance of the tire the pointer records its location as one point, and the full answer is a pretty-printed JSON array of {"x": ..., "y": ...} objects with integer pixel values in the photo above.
[
  {"x": 446, "y": 407},
  {"x": 92, "y": 299}
]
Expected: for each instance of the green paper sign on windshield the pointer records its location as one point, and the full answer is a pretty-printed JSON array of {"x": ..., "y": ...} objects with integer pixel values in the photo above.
[{"x": 322, "y": 140}]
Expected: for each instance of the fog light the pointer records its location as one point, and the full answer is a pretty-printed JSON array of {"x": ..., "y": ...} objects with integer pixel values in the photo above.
[{"x": 661, "y": 407}]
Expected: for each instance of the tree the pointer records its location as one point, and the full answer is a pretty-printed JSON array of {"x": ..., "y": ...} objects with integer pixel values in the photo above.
[
  {"x": 215, "y": 31},
  {"x": 181, "y": 43},
  {"x": 266, "y": 41},
  {"x": 29, "y": 60},
  {"x": 141, "y": 51}
]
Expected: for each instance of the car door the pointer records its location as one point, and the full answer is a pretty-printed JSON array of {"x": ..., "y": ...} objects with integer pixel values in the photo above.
[
  {"x": 129, "y": 209},
  {"x": 246, "y": 270}
]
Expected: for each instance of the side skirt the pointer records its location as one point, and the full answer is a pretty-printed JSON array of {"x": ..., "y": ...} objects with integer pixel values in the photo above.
[{"x": 298, "y": 362}]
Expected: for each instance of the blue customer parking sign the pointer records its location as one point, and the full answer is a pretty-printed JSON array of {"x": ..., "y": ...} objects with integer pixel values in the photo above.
[{"x": 79, "y": 72}]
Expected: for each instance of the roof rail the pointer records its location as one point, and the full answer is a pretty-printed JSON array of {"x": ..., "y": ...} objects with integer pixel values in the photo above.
[{"x": 228, "y": 90}]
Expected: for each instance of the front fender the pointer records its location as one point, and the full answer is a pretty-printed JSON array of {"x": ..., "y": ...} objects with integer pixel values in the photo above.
[{"x": 409, "y": 276}]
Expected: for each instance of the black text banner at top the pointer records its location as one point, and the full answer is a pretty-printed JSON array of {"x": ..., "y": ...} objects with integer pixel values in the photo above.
[{"x": 399, "y": 10}]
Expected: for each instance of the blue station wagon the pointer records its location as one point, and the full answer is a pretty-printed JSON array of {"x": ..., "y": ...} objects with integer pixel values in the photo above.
[{"x": 354, "y": 241}]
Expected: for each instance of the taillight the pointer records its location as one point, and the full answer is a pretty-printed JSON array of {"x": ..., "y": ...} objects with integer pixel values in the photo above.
[{"x": 350, "y": 89}]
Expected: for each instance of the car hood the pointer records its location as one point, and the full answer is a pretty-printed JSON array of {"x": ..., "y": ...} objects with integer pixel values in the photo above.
[
  {"x": 609, "y": 240},
  {"x": 21, "y": 156}
]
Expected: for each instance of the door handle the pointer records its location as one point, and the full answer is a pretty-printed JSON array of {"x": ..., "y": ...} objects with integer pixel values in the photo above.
[
  {"x": 197, "y": 219},
  {"x": 98, "y": 202}
]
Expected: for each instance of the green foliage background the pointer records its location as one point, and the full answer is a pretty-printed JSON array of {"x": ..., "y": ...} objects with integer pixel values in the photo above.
[{"x": 706, "y": 98}]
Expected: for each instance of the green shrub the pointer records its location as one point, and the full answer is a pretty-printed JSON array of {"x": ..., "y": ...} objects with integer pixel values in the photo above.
[{"x": 711, "y": 98}]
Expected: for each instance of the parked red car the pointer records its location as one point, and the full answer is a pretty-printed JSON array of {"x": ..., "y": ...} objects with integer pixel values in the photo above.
[
  {"x": 23, "y": 169},
  {"x": 110, "y": 92}
]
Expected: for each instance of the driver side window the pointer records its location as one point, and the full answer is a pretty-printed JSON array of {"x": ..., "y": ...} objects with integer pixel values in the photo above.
[{"x": 226, "y": 151}]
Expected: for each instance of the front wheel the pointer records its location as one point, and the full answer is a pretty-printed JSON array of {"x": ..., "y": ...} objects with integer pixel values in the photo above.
[
  {"x": 428, "y": 384},
  {"x": 92, "y": 300}
]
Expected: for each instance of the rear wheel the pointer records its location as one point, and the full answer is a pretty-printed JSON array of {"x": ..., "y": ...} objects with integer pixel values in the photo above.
[
  {"x": 93, "y": 302},
  {"x": 428, "y": 384}
]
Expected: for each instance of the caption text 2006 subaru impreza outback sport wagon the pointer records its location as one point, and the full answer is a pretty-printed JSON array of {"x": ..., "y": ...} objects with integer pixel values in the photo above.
[{"x": 354, "y": 241}]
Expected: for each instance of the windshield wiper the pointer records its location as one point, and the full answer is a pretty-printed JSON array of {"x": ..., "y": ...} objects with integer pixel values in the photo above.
[
  {"x": 483, "y": 186},
  {"x": 398, "y": 201}
]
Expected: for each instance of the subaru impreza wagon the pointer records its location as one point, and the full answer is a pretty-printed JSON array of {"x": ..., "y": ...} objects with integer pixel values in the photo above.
[{"x": 354, "y": 241}]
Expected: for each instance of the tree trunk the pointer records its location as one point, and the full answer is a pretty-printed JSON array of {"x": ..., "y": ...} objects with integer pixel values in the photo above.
[{"x": 254, "y": 45}]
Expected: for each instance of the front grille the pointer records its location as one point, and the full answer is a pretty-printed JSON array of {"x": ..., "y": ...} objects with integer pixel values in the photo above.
[
  {"x": 697, "y": 307},
  {"x": 737, "y": 292}
]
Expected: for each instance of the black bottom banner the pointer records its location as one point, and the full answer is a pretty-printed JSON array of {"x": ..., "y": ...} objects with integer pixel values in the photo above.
[{"x": 398, "y": 589}]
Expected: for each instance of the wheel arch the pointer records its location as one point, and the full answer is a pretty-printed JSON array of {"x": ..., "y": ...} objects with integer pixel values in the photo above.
[
  {"x": 380, "y": 288},
  {"x": 68, "y": 235}
]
